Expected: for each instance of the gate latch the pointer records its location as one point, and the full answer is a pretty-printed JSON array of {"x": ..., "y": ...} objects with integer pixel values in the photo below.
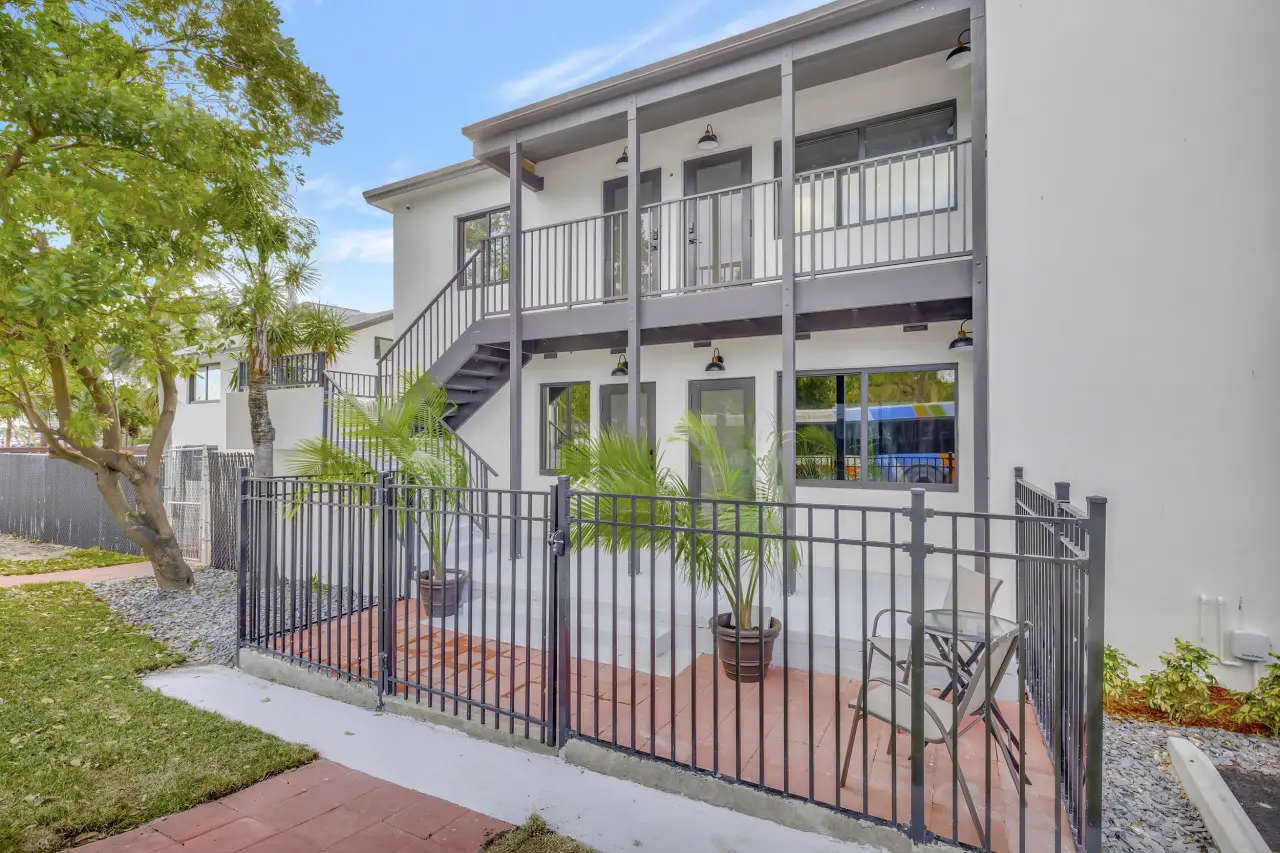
[{"x": 556, "y": 543}]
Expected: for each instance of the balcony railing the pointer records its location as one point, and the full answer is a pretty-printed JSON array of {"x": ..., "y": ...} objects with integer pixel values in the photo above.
[
  {"x": 905, "y": 207},
  {"x": 287, "y": 371}
]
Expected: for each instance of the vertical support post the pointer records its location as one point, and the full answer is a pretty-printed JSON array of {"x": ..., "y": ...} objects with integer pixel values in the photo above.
[
  {"x": 1097, "y": 576},
  {"x": 560, "y": 624},
  {"x": 633, "y": 270},
  {"x": 917, "y": 549},
  {"x": 1059, "y": 625},
  {"x": 786, "y": 228},
  {"x": 242, "y": 558},
  {"x": 206, "y": 505},
  {"x": 386, "y": 596},
  {"x": 978, "y": 197},
  {"x": 515, "y": 299}
]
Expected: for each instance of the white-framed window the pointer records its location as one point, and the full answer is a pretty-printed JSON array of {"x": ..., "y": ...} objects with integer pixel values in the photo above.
[{"x": 380, "y": 346}]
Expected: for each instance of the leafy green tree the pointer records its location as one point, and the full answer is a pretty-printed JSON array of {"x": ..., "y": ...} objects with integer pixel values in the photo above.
[
  {"x": 137, "y": 138},
  {"x": 264, "y": 282}
]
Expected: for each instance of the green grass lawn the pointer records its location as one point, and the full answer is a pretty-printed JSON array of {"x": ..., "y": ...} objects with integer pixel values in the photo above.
[
  {"x": 84, "y": 747},
  {"x": 84, "y": 558},
  {"x": 534, "y": 837}
]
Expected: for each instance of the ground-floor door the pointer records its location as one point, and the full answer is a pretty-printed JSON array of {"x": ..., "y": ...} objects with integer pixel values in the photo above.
[{"x": 730, "y": 406}]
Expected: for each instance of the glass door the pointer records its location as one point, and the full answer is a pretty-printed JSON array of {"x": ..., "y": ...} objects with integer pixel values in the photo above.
[
  {"x": 718, "y": 219},
  {"x": 730, "y": 404},
  {"x": 615, "y": 252}
]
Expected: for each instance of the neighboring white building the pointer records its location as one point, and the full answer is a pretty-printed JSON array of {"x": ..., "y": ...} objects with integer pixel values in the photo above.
[
  {"x": 213, "y": 408},
  {"x": 1109, "y": 183}
]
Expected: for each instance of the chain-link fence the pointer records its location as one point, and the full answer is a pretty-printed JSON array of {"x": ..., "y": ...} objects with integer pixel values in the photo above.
[
  {"x": 224, "y": 502},
  {"x": 56, "y": 501}
]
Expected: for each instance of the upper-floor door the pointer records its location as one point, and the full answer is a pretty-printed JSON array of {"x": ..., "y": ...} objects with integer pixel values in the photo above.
[
  {"x": 615, "y": 235},
  {"x": 718, "y": 218}
]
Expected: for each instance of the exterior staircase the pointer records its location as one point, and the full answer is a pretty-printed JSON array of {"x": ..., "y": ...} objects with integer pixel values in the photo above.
[{"x": 440, "y": 339}]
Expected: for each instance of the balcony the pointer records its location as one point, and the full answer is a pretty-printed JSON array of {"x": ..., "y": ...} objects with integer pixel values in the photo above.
[
  {"x": 286, "y": 371},
  {"x": 907, "y": 208}
]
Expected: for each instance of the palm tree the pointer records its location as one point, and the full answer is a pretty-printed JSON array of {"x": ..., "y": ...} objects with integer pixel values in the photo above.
[
  {"x": 642, "y": 505},
  {"x": 265, "y": 282},
  {"x": 425, "y": 452}
]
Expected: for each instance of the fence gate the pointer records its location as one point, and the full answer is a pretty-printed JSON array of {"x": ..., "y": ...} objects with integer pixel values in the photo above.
[{"x": 185, "y": 489}]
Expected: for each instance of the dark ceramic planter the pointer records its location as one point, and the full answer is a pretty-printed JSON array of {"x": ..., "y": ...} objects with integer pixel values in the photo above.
[
  {"x": 442, "y": 596},
  {"x": 745, "y": 655}
]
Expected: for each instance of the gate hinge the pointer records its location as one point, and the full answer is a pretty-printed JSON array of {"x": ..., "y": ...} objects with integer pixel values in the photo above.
[{"x": 556, "y": 543}]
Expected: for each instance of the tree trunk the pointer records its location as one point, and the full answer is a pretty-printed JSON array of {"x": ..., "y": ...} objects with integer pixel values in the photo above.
[
  {"x": 147, "y": 526},
  {"x": 260, "y": 427}
]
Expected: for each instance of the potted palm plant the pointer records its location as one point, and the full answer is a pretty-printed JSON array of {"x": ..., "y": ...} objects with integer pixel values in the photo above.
[
  {"x": 733, "y": 551},
  {"x": 424, "y": 452},
  {"x": 714, "y": 544}
]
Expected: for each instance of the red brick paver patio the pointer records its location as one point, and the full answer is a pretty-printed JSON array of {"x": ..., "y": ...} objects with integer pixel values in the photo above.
[
  {"x": 323, "y": 806},
  {"x": 700, "y": 719}
]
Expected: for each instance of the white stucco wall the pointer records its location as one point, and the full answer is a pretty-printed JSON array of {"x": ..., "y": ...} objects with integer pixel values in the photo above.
[
  {"x": 296, "y": 413},
  {"x": 1134, "y": 296},
  {"x": 359, "y": 357},
  {"x": 425, "y": 223},
  {"x": 203, "y": 422}
]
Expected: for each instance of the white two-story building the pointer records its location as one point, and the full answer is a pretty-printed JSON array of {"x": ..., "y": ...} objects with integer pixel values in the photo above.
[
  {"x": 931, "y": 240},
  {"x": 213, "y": 408}
]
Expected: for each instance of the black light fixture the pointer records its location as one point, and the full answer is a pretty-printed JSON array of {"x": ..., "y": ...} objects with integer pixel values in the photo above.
[
  {"x": 708, "y": 141},
  {"x": 622, "y": 161},
  {"x": 717, "y": 361},
  {"x": 960, "y": 56},
  {"x": 623, "y": 368},
  {"x": 962, "y": 340}
]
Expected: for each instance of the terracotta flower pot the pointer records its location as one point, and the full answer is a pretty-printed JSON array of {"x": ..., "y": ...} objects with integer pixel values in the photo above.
[
  {"x": 442, "y": 595},
  {"x": 745, "y": 655}
]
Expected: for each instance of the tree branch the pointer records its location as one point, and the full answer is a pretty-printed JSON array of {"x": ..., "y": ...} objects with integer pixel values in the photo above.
[{"x": 164, "y": 423}]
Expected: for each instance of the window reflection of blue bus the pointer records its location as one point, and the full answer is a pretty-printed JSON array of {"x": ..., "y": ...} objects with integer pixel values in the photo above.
[{"x": 909, "y": 443}]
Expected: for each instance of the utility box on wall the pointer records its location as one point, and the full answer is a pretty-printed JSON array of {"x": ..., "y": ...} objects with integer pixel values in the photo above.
[{"x": 1250, "y": 646}]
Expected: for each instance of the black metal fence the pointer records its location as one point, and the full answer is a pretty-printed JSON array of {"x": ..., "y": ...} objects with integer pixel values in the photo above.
[{"x": 935, "y": 671}]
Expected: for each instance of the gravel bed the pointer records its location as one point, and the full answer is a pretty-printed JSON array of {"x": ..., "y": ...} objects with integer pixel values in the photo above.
[
  {"x": 201, "y": 623},
  {"x": 1144, "y": 808},
  {"x": 17, "y": 548}
]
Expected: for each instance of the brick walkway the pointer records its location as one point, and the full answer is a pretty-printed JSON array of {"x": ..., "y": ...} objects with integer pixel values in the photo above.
[
  {"x": 323, "y": 806},
  {"x": 102, "y": 573}
]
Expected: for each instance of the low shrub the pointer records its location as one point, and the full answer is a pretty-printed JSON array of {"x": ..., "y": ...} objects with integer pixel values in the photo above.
[
  {"x": 1115, "y": 673},
  {"x": 1261, "y": 705},
  {"x": 1181, "y": 688}
]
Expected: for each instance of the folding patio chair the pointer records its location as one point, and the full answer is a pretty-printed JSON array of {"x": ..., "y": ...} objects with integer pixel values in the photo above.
[
  {"x": 877, "y": 701},
  {"x": 967, "y": 593}
]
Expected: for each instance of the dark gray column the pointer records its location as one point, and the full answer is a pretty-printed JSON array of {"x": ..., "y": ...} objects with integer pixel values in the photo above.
[
  {"x": 633, "y": 271},
  {"x": 515, "y": 300},
  {"x": 978, "y": 155},
  {"x": 787, "y": 229}
]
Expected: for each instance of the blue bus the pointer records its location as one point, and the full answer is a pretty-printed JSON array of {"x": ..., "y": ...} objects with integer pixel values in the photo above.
[{"x": 908, "y": 443}]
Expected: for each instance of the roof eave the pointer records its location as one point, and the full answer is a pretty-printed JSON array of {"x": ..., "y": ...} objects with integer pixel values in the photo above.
[{"x": 379, "y": 197}]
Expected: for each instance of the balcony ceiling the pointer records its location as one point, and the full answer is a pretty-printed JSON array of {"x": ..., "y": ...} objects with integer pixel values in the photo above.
[{"x": 922, "y": 38}]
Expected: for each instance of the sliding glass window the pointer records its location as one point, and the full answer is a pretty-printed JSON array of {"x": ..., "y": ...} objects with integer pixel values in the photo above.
[{"x": 907, "y": 417}]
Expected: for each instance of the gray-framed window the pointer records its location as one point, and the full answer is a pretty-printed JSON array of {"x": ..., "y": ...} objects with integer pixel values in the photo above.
[
  {"x": 830, "y": 196},
  {"x": 205, "y": 385},
  {"x": 488, "y": 231},
  {"x": 380, "y": 346},
  {"x": 566, "y": 417},
  {"x": 613, "y": 409},
  {"x": 890, "y": 428}
]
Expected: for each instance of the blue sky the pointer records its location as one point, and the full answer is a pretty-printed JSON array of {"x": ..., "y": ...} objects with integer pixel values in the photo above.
[{"x": 411, "y": 73}]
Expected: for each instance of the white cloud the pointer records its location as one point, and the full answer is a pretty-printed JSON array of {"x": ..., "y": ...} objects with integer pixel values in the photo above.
[
  {"x": 591, "y": 63},
  {"x": 330, "y": 193},
  {"x": 663, "y": 39},
  {"x": 369, "y": 245}
]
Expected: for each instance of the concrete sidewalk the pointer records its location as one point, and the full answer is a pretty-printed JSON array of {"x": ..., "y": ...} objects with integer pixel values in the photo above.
[
  {"x": 101, "y": 573},
  {"x": 605, "y": 813},
  {"x": 323, "y": 806}
]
